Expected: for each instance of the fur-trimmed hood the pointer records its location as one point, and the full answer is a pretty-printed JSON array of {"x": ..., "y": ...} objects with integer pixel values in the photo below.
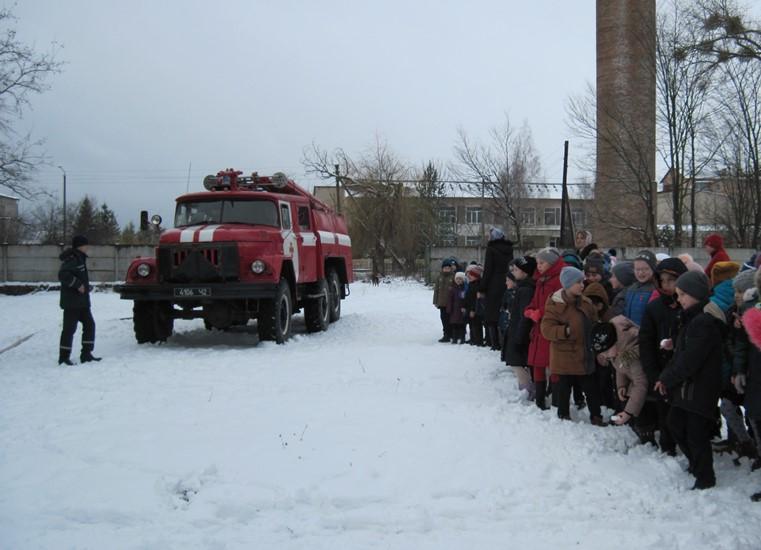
[
  {"x": 752, "y": 324},
  {"x": 715, "y": 311},
  {"x": 559, "y": 297}
]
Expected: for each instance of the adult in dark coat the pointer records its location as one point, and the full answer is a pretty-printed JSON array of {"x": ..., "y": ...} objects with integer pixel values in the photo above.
[
  {"x": 693, "y": 380},
  {"x": 519, "y": 330},
  {"x": 75, "y": 302},
  {"x": 499, "y": 254}
]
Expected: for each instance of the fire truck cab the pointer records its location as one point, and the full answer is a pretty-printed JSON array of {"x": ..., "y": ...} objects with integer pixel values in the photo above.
[{"x": 252, "y": 247}]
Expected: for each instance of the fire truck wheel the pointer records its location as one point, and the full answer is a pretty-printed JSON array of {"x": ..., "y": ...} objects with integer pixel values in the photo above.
[
  {"x": 153, "y": 321},
  {"x": 334, "y": 291},
  {"x": 316, "y": 310},
  {"x": 274, "y": 321}
]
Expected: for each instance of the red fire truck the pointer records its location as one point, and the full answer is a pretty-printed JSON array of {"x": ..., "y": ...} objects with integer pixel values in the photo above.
[{"x": 249, "y": 247}]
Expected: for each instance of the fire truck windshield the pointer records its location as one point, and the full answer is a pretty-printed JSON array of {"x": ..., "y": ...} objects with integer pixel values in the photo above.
[{"x": 250, "y": 212}]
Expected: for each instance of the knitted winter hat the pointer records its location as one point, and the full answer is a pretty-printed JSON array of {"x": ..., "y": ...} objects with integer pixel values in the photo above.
[
  {"x": 569, "y": 276},
  {"x": 714, "y": 240},
  {"x": 79, "y": 240},
  {"x": 723, "y": 271},
  {"x": 549, "y": 255},
  {"x": 624, "y": 272},
  {"x": 647, "y": 257},
  {"x": 595, "y": 291},
  {"x": 603, "y": 337},
  {"x": 571, "y": 258},
  {"x": 459, "y": 276},
  {"x": 672, "y": 266},
  {"x": 744, "y": 281},
  {"x": 527, "y": 264},
  {"x": 475, "y": 269},
  {"x": 495, "y": 233},
  {"x": 694, "y": 283}
]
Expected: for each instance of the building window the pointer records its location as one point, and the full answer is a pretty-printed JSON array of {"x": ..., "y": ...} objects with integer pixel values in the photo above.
[
  {"x": 577, "y": 215},
  {"x": 528, "y": 216},
  {"x": 473, "y": 214},
  {"x": 447, "y": 214},
  {"x": 448, "y": 240},
  {"x": 551, "y": 216},
  {"x": 472, "y": 241}
]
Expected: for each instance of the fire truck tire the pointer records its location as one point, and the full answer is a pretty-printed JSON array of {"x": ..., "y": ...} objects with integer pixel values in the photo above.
[
  {"x": 153, "y": 321},
  {"x": 317, "y": 311},
  {"x": 334, "y": 291},
  {"x": 274, "y": 321}
]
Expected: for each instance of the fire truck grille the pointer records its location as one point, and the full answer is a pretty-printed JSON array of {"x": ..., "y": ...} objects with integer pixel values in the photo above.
[
  {"x": 198, "y": 264},
  {"x": 211, "y": 255}
]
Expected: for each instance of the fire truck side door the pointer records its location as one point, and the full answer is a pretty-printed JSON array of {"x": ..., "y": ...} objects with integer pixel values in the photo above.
[{"x": 307, "y": 244}]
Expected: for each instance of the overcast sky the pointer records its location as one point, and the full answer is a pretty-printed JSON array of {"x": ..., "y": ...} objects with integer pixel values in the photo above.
[{"x": 149, "y": 87}]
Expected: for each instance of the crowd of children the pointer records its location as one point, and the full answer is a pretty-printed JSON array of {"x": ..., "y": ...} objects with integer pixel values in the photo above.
[{"x": 669, "y": 347}]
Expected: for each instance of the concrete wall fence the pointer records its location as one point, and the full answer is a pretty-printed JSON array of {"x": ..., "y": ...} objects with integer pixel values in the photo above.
[
  {"x": 108, "y": 263},
  {"x": 33, "y": 263}
]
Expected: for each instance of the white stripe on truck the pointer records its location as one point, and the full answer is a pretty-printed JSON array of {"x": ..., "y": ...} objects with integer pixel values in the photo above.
[{"x": 206, "y": 235}]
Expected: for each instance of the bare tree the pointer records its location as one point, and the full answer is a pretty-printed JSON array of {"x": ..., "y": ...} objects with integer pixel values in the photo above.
[
  {"x": 683, "y": 82},
  {"x": 727, "y": 33},
  {"x": 622, "y": 136},
  {"x": 738, "y": 106},
  {"x": 44, "y": 224},
  {"x": 23, "y": 73},
  {"x": 500, "y": 170},
  {"x": 377, "y": 185}
]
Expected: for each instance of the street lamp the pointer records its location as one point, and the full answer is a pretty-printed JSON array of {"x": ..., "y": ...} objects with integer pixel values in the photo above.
[{"x": 64, "y": 204}]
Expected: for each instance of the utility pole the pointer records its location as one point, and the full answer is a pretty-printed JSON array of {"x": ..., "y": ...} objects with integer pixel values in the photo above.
[
  {"x": 338, "y": 189},
  {"x": 566, "y": 221},
  {"x": 64, "y": 204}
]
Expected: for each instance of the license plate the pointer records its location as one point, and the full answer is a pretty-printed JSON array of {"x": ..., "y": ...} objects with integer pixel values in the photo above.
[{"x": 192, "y": 292}]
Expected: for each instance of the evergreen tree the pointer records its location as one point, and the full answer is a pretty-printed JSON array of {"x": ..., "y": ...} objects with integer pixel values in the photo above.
[
  {"x": 106, "y": 226},
  {"x": 84, "y": 221},
  {"x": 129, "y": 234}
]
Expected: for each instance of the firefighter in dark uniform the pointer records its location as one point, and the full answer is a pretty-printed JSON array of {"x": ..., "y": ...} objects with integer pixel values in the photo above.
[{"x": 75, "y": 302}]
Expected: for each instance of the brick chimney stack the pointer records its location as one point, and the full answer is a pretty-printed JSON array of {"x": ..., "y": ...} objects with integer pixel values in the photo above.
[{"x": 625, "y": 119}]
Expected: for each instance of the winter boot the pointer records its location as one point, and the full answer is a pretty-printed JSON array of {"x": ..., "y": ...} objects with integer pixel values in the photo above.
[
  {"x": 700, "y": 485},
  {"x": 755, "y": 465},
  {"x": 444, "y": 339},
  {"x": 747, "y": 449},
  {"x": 756, "y": 497},
  {"x": 64, "y": 357},
  {"x": 598, "y": 421},
  {"x": 88, "y": 357},
  {"x": 554, "y": 394},
  {"x": 540, "y": 395}
]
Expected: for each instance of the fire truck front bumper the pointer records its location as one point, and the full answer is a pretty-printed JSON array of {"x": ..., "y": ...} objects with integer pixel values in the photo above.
[{"x": 196, "y": 292}]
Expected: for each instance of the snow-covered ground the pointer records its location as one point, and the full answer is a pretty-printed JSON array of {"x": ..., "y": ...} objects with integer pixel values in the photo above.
[{"x": 370, "y": 435}]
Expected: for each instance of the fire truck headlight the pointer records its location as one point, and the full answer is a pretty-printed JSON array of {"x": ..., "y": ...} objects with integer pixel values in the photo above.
[
  {"x": 143, "y": 270},
  {"x": 258, "y": 267}
]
